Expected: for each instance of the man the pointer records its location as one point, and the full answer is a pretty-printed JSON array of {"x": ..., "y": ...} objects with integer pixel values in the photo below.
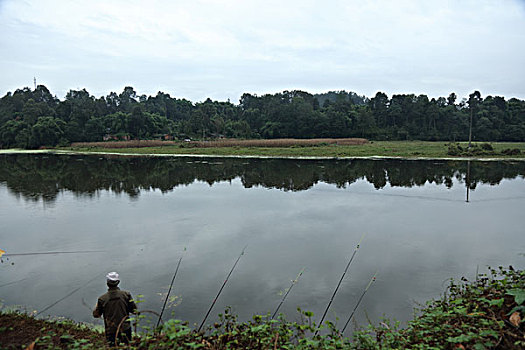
[{"x": 115, "y": 305}]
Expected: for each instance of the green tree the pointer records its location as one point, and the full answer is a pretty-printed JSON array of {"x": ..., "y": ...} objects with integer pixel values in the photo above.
[
  {"x": 379, "y": 107},
  {"x": 366, "y": 124},
  {"x": 15, "y": 133},
  {"x": 127, "y": 99},
  {"x": 48, "y": 131},
  {"x": 76, "y": 110},
  {"x": 95, "y": 129},
  {"x": 32, "y": 110},
  {"x": 136, "y": 123},
  {"x": 451, "y": 99}
]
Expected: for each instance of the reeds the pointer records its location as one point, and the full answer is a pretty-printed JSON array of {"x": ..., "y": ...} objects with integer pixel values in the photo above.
[
  {"x": 123, "y": 144},
  {"x": 278, "y": 142}
]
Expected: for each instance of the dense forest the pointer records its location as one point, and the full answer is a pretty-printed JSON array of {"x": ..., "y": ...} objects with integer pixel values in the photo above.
[{"x": 35, "y": 118}]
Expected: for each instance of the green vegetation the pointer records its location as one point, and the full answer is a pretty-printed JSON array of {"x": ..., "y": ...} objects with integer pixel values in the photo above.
[
  {"x": 483, "y": 314},
  {"x": 35, "y": 118},
  {"x": 484, "y": 150},
  {"x": 402, "y": 149}
]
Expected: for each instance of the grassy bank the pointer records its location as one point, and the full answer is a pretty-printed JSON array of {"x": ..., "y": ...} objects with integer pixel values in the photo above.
[
  {"x": 483, "y": 314},
  {"x": 402, "y": 149}
]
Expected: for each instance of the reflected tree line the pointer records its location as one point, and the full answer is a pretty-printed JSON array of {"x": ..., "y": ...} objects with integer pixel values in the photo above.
[{"x": 36, "y": 177}]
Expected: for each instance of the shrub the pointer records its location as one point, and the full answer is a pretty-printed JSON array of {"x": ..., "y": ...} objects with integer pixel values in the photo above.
[
  {"x": 511, "y": 152},
  {"x": 454, "y": 149},
  {"x": 487, "y": 146}
]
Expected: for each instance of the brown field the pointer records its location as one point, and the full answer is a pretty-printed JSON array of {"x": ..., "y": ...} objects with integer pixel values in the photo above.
[
  {"x": 224, "y": 143},
  {"x": 124, "y": 144},
  {"x": 277, "y": 142}
]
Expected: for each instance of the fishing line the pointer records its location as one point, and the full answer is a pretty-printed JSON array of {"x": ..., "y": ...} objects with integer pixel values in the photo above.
[
  {"x": 13, "y": 282},
  {"x": 84, "y": 303},
  {"x": 339, "y": 284},
  {"x": 68, "y": 294},
  {"x": 50, "y": 253},
  {"x": 409, "y": 196},
  {"x": 220, "y": 290}
]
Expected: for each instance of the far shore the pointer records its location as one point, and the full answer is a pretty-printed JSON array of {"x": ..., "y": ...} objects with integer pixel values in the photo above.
[{"x": 405, "y": 150}]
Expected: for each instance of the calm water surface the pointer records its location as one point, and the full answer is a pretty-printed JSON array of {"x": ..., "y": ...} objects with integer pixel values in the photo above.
[{"x": 141, "y": 213}]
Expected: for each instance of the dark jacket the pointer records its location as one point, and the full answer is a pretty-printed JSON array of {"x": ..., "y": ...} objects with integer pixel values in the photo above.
[{"x": 115, "y": 305}]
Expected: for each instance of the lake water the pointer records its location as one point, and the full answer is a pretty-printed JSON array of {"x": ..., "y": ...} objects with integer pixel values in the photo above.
[{"x": 138, "y": 215}]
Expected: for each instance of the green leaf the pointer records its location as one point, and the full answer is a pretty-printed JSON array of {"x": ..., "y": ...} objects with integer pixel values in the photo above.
[
  {"x": 496, "y": 302},
  {"x": 463, "y": 338},
  {"x": 519, "y": 295},
  {"x": 488, "y": 333}
]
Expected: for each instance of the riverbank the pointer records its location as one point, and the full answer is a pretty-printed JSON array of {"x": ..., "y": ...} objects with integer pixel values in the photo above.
[
  {"x": 22, "y": 331},
  {"x": 486, "y": 313},
  {"x": 372, "y": 149},
  {"x": 415, "y": 150}
]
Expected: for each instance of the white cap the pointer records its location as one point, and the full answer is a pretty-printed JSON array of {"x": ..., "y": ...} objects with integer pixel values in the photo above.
[{"x": 112, "y": 276}]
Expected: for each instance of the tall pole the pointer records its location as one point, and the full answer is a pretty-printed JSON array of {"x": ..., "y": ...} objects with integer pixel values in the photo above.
[
  {"x": 339, "y": 284},
  {"x": 359, "y": 301},
  {"x": 220, "y": 290},
  {"x": 169, "y": 290},
  {"x": 470, "y": 129}
]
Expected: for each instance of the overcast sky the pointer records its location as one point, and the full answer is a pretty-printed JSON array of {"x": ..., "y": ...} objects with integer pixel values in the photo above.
[{"x": 222, "y": 48}]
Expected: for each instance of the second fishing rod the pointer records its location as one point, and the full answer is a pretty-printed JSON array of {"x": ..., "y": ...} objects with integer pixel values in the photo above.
[
  {"x": 220, "y": 290},
  {"x": 339, "y": 284},
  {"x": 169, "y": 290}
]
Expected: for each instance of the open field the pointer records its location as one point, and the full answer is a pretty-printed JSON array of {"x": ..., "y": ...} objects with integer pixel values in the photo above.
[
  {"x": 328, "y": 148},
  {"x": 224, "y": 143}
]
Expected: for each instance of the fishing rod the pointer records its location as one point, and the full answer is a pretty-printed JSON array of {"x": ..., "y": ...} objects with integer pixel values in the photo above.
[
  {"x": 68, "y": 294},
  {"x": 288, "y": 291},
  {"x": 220, "y": 290},
  {"x": 359, "y": 301},
  {"x": 339, "y": 284},
  {"x": 169, "y": 290}
]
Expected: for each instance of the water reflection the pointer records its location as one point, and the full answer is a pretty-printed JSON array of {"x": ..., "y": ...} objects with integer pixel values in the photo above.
[
  {"x": 420, "y": 231},
  {"x": 36, "y": 177},
  {"x": 467, "y": 181}
]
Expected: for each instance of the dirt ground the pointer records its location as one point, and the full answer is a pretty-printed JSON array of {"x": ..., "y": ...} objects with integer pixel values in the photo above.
[{"x": 19, "y": 331}]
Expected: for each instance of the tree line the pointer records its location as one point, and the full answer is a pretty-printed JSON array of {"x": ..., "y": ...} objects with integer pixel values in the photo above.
[{"x": 34, "y": 118}]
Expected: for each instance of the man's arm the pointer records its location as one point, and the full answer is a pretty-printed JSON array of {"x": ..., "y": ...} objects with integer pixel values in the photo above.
[
  {"x": 132, "y": 307},
  {"x": 98, "y": 311}
]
